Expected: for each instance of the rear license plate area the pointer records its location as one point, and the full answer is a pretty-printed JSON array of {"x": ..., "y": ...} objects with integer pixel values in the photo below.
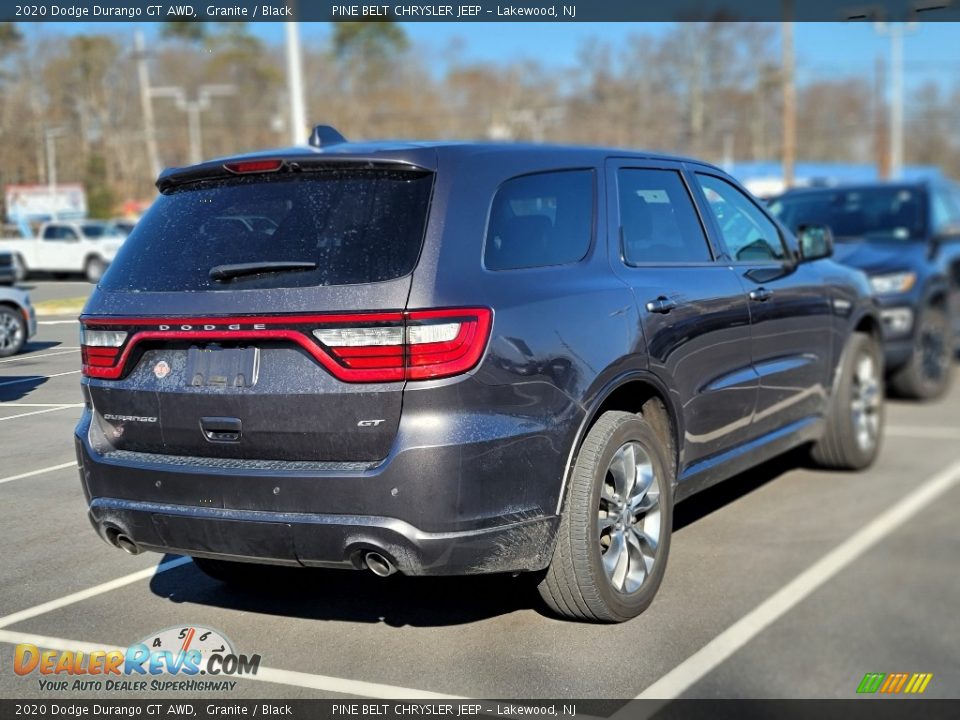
[{"x": 215, "y": 366}]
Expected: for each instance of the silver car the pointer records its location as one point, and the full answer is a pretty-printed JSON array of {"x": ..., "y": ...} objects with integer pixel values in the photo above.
[{"x": 18, "y": 321}]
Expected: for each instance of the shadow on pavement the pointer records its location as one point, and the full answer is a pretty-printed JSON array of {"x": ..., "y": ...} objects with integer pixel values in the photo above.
[
  {"x": 17, "y": 387},
  {"x": 727, "y": 491},
  {"x": 351, "y": 596},
  {"x": 37, "y": 346}
]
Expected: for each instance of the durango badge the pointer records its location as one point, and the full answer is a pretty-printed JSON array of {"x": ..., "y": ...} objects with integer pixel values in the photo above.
[{"x": 161, "y": 369}]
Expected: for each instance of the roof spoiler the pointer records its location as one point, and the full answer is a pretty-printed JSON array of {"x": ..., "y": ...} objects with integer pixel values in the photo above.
[{"x": 325, "y": 136}]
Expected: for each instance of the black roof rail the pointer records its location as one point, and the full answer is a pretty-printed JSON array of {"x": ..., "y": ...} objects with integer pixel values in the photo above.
[{"x": 326, "y": 135}]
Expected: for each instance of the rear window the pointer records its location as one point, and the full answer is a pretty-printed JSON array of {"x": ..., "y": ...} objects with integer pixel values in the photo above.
[
  {"x": 542, "y": 219},
  {"x": 353, "y": 227}
]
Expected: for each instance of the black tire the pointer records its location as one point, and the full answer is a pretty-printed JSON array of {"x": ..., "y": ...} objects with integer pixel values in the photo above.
[
  {"x": 854, "y": 424},
  {"x": 928, "y": 373},
  {"x": 94, "y": 269},
  {"x": 230, "y": 573},
  {"x": 13, "y": 332},
  {"x": 576, "y": 585}
]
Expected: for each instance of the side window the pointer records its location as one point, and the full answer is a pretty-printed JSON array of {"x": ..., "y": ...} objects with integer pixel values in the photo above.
[
  {"x": 658, "y": 222},
  {"x": 51, "y": 232},
  {"x": 69, "y": 234},
  {"x": 749, "y": 235},
  {"x": 946, "y": 215},
  {"x": 539, "y": 220}
]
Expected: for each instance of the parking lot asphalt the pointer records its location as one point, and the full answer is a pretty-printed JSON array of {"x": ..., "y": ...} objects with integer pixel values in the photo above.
[{"x": 782, "y": 582}]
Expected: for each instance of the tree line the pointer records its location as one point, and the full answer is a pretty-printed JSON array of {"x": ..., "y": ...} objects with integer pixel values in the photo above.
[{"x": 711, "y": 90}]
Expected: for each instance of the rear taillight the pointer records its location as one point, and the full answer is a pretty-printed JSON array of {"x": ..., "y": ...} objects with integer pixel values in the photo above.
[
  {"x": 381, "y": 347},
  {"x": 100, "y": 348}
]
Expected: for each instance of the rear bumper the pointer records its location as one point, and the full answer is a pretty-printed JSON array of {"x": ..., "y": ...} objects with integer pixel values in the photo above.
[
  {"x": 316, "y": 540},
  {"x": 471, "y": 494}
]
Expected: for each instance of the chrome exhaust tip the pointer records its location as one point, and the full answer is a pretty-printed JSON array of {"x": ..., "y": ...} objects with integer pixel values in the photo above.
[
  {"x": 378, "y": 564},
  {"x": 127, "y": 545}
]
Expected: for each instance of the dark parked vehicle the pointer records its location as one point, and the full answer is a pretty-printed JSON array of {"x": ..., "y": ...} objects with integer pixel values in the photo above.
[
  {"x": 906, "y": 237},
  {"x": 8, "y": 268},
  {"x": 454, "y": 358}
]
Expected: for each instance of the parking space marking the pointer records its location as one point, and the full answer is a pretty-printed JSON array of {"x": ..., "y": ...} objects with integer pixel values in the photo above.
[
  {"x": 695, "y": 667},
  {"x": 82, "y": 595},
  {"x": 326, "y": 683},
  {"x": 21, "y": 358},
  {"x": 924, "y": 433},
  {"x": 34, "y": 378},
  {"x": 34, "y": 473},
  {"x": 38, "y": 412},
  {"x": 57, "y": 322},
  {"x": 50, "y": 405}
]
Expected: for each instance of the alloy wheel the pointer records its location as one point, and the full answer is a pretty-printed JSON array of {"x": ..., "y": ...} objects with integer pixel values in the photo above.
[{"x": 628, "y": 518}]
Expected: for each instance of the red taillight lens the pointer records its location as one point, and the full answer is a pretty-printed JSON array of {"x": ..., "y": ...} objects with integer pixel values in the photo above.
[
  {"x": 253, "y": 166},
  {"x": 364, "y": 347}
]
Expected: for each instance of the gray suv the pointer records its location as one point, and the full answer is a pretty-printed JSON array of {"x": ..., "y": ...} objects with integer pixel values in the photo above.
[{"x": 439, "y": 358}]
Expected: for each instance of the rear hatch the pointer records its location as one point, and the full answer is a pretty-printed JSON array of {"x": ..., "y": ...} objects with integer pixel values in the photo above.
[{"x": 259, "y": 313}]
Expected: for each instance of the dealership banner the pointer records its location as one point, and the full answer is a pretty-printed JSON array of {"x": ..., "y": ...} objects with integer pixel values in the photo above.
[
  {"x": 477, "y": 10},
  {"x": 205, "y": 709}
]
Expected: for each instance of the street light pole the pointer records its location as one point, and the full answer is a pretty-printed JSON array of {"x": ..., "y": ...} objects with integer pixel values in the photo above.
[
  {"x": 193, "y": 108},
  {"x": 50, "y": 138},
  {"x": 896, "y": 31},
  {"x": 298, "y": 112}
]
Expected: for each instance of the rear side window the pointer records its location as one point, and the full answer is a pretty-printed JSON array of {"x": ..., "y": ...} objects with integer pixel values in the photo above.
[
  {"x": 354, "y": 227},
  {"x": 750, "y": 236},
  {"x": 539, "y": 220},
  {"x": 658, "y": 222}
]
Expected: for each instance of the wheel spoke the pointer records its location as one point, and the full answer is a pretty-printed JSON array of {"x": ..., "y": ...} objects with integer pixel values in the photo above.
[
  {"x": 623, "y": 468},
  {"x": 616, "y": 560}
]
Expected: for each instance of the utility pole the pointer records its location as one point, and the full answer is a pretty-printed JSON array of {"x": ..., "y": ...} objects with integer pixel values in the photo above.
[
  {"x": 50, "y": 137},
  {"x": 298, "y": 112},
  {"x": 146, "y": 105},
  {"x": 789, "y": 151},
  {"x": 896, "y": 31},
  {"x": 193, "y": 108}
]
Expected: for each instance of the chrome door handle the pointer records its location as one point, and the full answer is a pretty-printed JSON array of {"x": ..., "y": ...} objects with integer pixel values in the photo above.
[
  {"x": 661, "y": 305},
  {"x": 761, "y": 294}
]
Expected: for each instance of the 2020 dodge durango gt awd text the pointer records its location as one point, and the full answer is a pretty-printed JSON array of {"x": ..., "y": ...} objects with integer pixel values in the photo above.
[{"x": 454, "y": 358}]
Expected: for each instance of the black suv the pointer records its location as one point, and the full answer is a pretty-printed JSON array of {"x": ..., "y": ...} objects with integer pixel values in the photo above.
[
  {"x": 459, "y": 358},
  {"x": 906, "y": 237}
]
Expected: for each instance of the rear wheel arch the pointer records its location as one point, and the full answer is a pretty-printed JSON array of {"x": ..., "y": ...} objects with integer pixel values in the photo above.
[{"x": 637, "y": 392}]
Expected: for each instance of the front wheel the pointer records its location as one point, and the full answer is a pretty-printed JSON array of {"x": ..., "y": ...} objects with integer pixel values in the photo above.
[
  {"x": 13, "y": 332},
  {"x": 927, "y": 374},
  {"x": 614, "y": 533},
  {"x": 94, "y": 270},
  {"x": 854, "y": 423}
]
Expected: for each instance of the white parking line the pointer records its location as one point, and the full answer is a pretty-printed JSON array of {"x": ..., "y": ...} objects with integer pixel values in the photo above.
[
  {"x": 34, "y": 473},
  {"x": 21, "y": 358},
  {"x": 924, "y": 433},
  {"x": 50, "y": 405},
  {"x": 91, "y": 592},
  {"x": 57, "y": 322},
  {"x": 695, "y": 667},
  {"x": 325, "y": 683},
  {"x": 34, "y": 378},
  {"x": 38, "y": 412}
]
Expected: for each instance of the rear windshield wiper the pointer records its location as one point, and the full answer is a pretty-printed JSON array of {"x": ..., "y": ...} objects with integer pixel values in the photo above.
[{"x": 228, "y": 272}]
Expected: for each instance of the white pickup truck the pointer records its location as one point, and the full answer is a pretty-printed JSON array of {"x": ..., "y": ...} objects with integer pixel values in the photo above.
[{"x": 74, "y": 246}]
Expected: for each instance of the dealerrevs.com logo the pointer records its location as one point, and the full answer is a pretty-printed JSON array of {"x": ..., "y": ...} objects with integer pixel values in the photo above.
[{"x": 172, "y": 659}]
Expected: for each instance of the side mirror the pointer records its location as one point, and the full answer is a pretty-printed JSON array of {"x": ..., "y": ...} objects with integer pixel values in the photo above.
[{"x": 816, "y": 242}]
